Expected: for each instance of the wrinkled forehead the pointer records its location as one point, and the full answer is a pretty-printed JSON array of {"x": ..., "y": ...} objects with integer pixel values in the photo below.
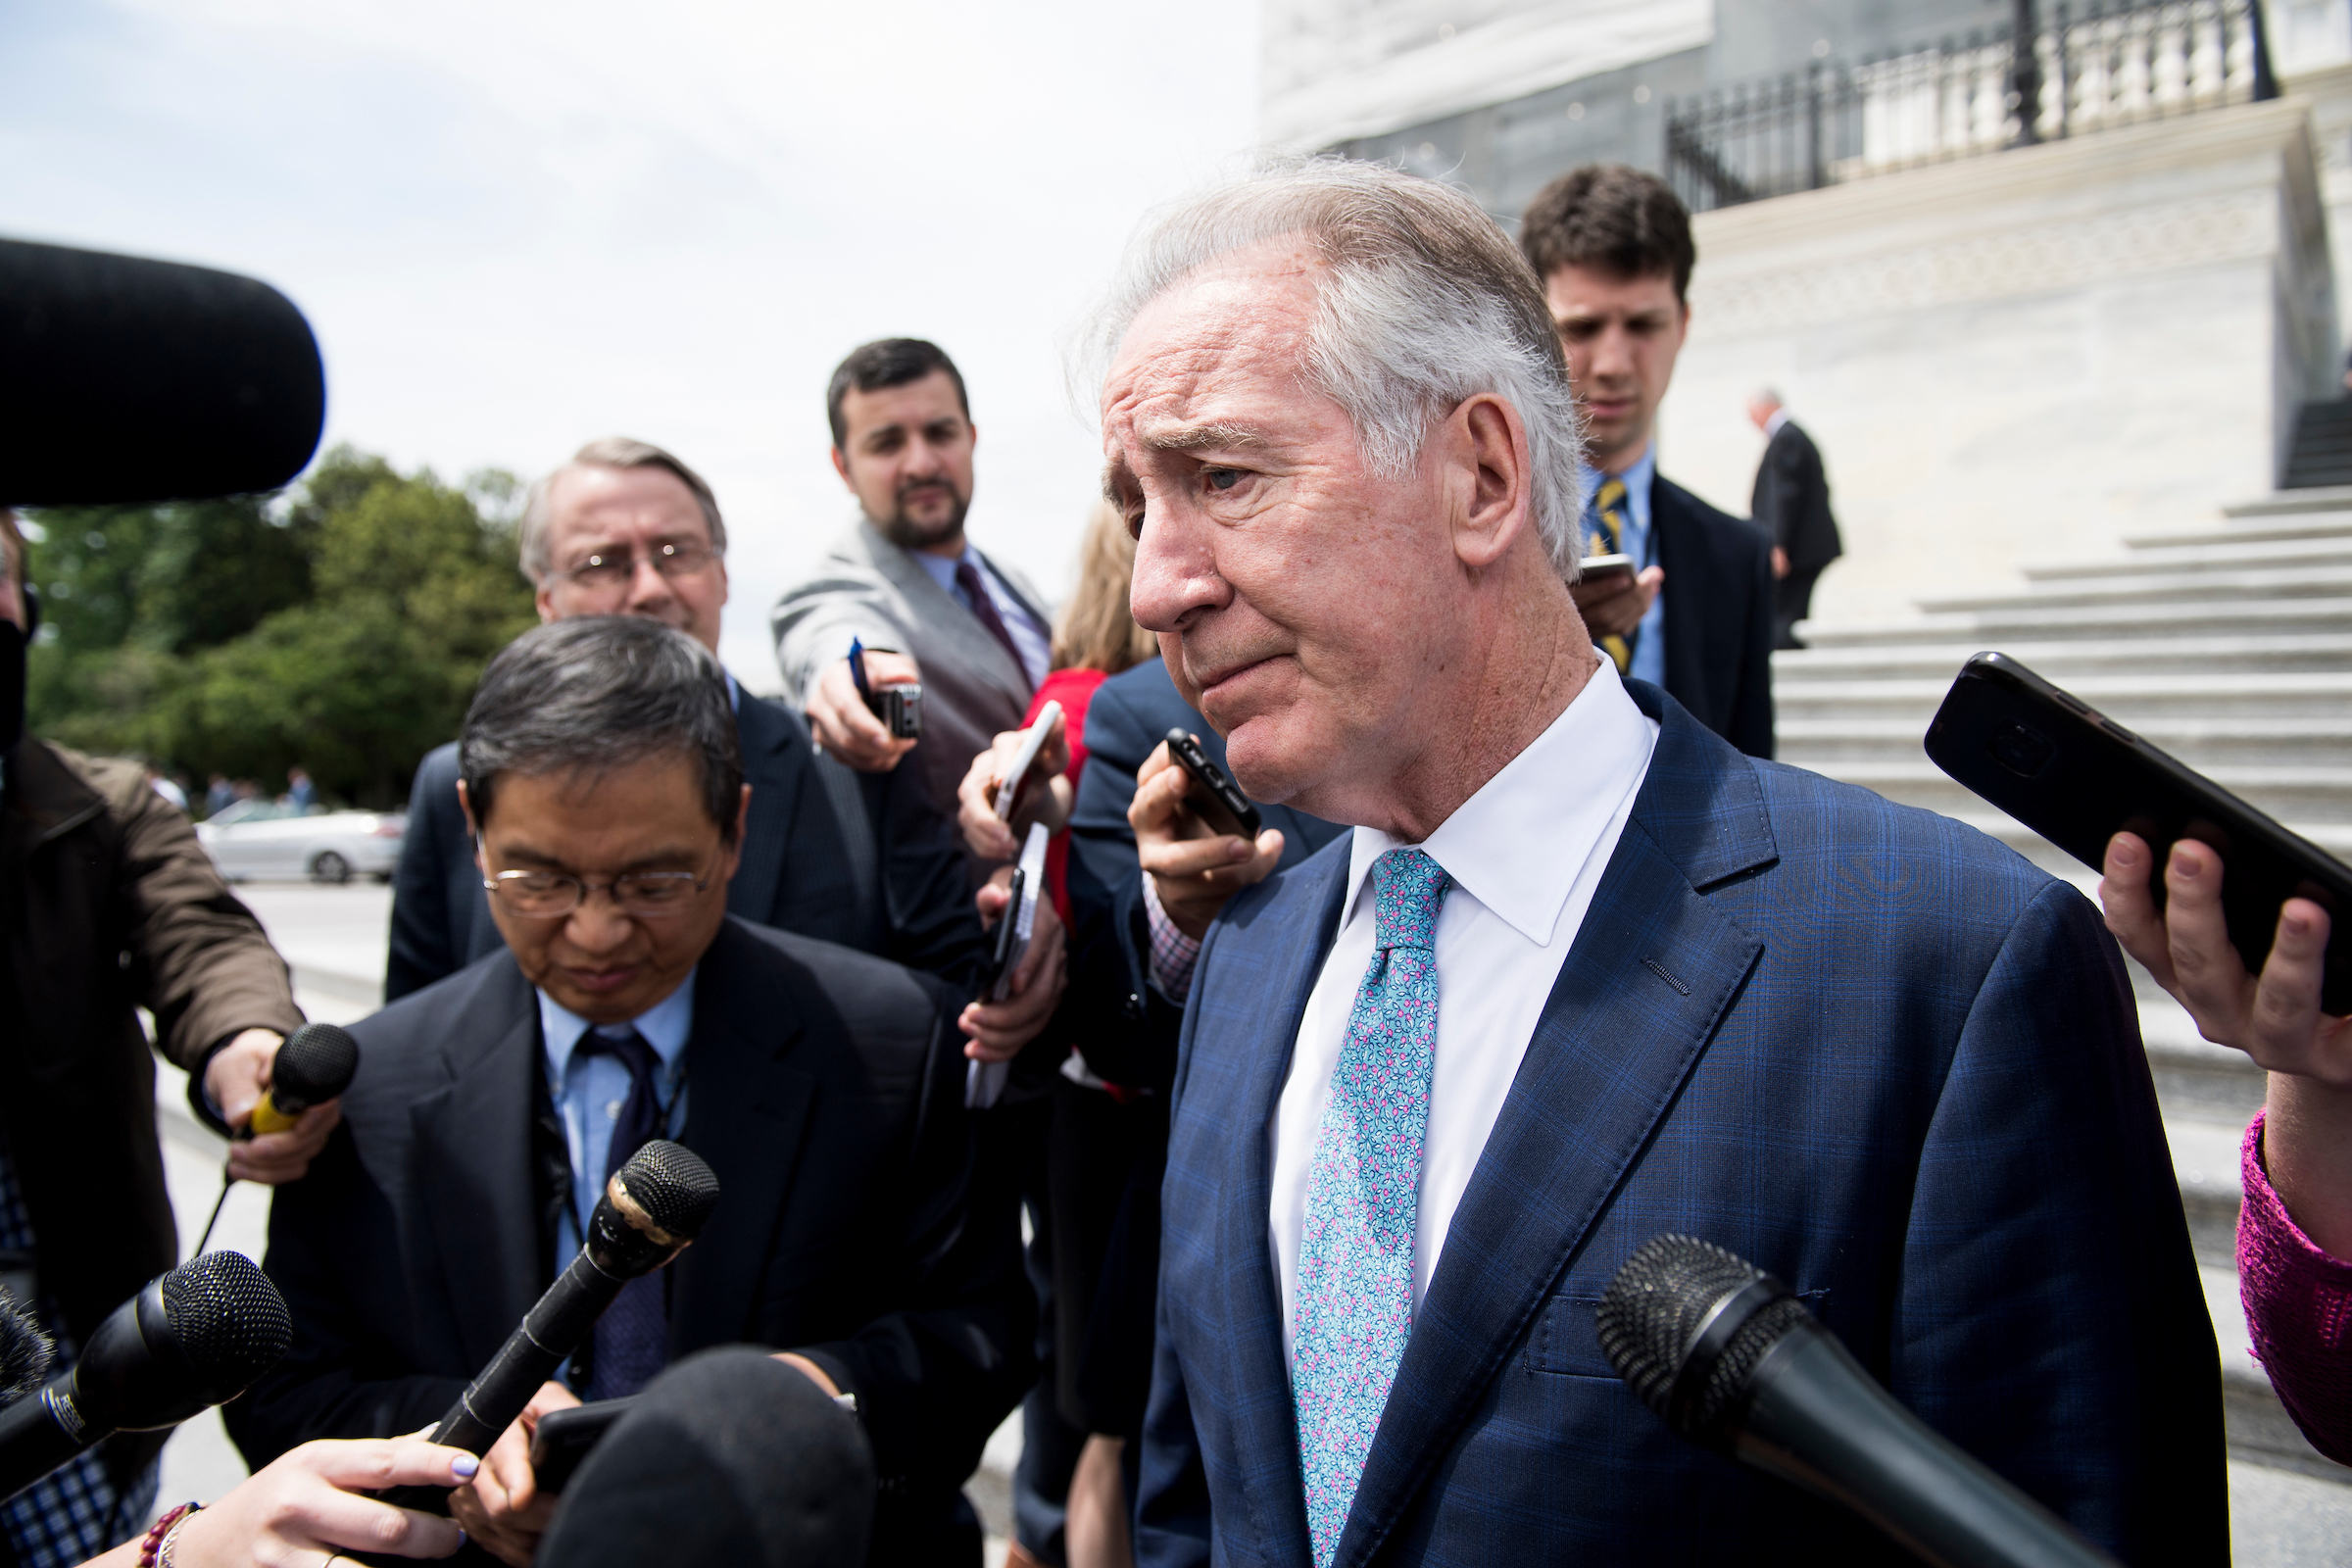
[
  {"x": 593, "y": 498},
  {"x": 1234, "y": 330}
]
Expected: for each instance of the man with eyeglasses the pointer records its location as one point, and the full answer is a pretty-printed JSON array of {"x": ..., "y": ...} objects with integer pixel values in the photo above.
[
  {"x": 861, "y": 860},
  {"x": 600, "y": 771}
]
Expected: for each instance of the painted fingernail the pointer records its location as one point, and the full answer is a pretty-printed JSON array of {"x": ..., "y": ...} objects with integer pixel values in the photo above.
[{"x": 465, "y": 1464}]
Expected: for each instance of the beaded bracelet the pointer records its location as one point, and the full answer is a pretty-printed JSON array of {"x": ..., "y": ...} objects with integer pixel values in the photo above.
[{"x": 155, "y": 1549}]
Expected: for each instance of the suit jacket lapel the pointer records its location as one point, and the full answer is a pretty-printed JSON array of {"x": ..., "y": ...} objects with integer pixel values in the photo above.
[
  {"x": 767, "y": 735},
  {"x": 977, "y": 653},
  {"x": 1253, "y": 1296},
  {"x": 1651, "y": 972},
  {"x": 472, "y": 1167},
  {"x": 746, "y": 1111}
]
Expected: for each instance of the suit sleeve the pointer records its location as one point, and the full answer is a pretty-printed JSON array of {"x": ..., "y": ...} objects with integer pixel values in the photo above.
[
  {"x": 934, "y": 1379},
  {"x": 339, "y": 1378},
  {"x": 423, "y": 949},
  {"x": 206, "y": 967},
  {"x": 1779, "y": 494},
  {"x": 2050, "y": 1318},
  {"x": 813, "y": 621},
  {"x": 926, "y": 888},
  {"x": 1751, "y": 715}
]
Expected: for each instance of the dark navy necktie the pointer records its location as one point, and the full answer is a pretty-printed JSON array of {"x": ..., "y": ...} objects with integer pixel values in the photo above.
[
  {"x": 984, "y": 611},
  {"x": 632, "y": 1337}
]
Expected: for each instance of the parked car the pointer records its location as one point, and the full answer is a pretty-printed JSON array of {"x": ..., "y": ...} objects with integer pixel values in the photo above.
[{"x": 267, "y": 839}]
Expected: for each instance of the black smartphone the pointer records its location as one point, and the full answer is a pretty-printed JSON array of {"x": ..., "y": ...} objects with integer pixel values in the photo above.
[
  {"x": 1218, "y": 801},
  {"x": 900, "y": 709},
  {"x": 564, "y": 1436},
  {"x": 2077, "y": 778},
  {"x": 1005, "y": 945}
]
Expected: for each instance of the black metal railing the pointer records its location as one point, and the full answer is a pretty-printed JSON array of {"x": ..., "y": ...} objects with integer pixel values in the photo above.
[{"x": 2090, "y": 69}]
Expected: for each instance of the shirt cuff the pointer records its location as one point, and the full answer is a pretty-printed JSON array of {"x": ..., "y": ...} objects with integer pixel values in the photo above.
[{"x": 1173, "y": 954}]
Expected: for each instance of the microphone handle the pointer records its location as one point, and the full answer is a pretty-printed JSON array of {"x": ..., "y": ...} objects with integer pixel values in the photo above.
[
  {"x": 551, "y": 1331},
  {"x": 1820, "y": 1420},
  {"x": 36, "y": 1436}
]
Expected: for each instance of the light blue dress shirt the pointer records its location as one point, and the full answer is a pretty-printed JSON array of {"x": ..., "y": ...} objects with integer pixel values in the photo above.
[
  {"x": 588, "y": 1092},
  {"x": 1035, "y": 642},
  {"x": 1650, "y": 646}
]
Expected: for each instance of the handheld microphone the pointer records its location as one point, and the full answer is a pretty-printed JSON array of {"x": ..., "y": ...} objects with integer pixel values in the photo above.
[
  {"x": 653, "y": 1207},
  {"x": 134, "y": 380},
  {"x": 26, "y": 1351},
  {"x": 314, "y": 1065},
  {"x": 1731, "y": 1359},
  {"x": 192, "y": 1338}
]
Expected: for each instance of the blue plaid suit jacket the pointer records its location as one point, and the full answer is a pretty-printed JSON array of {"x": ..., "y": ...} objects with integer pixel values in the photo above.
[{"x": 1861, "y": 1045}]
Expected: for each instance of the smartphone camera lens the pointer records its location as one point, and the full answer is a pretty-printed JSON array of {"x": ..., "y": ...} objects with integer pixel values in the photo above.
[{"x": 2019, "y": 750}]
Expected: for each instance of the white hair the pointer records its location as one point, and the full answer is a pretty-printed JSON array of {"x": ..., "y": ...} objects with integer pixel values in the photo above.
[{"x": 1423, "y": 303}]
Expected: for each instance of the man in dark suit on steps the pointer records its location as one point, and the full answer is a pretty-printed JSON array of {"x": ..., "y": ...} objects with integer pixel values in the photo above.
[
  {"x": 1613, "y": 248},
  {"x": 824, "y": 1086},
  {"x": 861, "y": 860},
  {"x": 1791, "y": 505}
]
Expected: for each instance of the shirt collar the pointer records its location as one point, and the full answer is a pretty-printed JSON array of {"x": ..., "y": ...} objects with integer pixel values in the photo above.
[
  {"x": 665, "y": 1026},
  {"x": 1635, "y": 478},
  {"x": 1517, "y": 845},
  {"x": 943, "y": 568},
  {"x": 1772, "y": 426}
]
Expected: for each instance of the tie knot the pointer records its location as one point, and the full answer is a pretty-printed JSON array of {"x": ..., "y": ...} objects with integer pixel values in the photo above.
[
  {"x": 630, "y": 1050},
  {"x": 1407, "y": 890},
  {"x": 1610, "y": 496}
]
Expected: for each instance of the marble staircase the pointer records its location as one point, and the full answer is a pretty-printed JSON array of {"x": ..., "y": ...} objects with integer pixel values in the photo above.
[{"x": 2229, "y": 645}]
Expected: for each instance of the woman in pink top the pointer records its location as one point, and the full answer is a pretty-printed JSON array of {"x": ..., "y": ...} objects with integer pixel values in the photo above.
[{"x": 2294, "y": 1230}]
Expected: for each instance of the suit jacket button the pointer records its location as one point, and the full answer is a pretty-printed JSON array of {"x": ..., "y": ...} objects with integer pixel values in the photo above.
[{"x": 1134, "y": 1005}]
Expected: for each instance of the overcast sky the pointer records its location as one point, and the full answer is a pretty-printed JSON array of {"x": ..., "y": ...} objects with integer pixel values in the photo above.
[{"x": 516, "y": 224}]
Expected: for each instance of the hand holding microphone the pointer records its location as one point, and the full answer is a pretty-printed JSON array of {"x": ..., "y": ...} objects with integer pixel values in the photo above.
[{"x": 280, "y": 1098}]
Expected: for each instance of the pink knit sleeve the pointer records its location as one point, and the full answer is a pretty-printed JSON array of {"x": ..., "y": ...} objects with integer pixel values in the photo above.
[{"x": 2298, "y": 1307}]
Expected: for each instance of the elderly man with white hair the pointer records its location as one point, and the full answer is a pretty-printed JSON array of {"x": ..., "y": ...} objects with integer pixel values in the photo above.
[{"x": 1581, "y": 974}]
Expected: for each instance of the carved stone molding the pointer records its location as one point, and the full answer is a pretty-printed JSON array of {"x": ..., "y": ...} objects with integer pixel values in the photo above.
[{"x": 2238, "y": 227}]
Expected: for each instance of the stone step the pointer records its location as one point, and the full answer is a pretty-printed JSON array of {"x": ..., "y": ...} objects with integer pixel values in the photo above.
[
  {"x": 2205, "y": 1163},
  {"x": 2206, "y": 556},
  {"x": 2152, "y": 593},
  {"x": 2202, "y": 743},
  {"x": 2258, "y": 1426},
  {"x": 2316, "y": 803},
  {"x": 2285, "y": 503},
  {"x": 2326, "y": 524},
  {"x": 2003, "y": 622},
  {"x": 2138, "y": 700},
  {"x": 2065, "y": 662}
]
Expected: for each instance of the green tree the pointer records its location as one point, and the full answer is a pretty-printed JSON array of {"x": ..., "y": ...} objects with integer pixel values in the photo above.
[{"x": 341, "y": 629}]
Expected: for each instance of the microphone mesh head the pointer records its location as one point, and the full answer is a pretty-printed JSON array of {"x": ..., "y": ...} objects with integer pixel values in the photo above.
[
  {"x": 231, "y": 1322},
  {"x": 26, "y": 1351},
  {"x": 1653, "y": 1309},
  {"x": 673, "y": 1185},
  {"x": 315, "y": 1064}
]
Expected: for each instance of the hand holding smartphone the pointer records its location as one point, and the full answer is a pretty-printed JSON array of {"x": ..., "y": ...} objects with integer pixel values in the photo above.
[
  {"x": 1016, "y": 781},
  {"x": 1213, "y": 798}
]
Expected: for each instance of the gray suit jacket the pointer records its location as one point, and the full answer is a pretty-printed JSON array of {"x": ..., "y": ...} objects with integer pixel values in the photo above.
[{"x": 868, "y": 588}]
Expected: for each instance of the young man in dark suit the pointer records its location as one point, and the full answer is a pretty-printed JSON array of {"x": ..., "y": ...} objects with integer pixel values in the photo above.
[
  {"x": 1791, "y": 505},
  {"x": 825, "y": 1087},
  {"x": 863, "y": 860},
  {"x": 1613, "y": 248}
]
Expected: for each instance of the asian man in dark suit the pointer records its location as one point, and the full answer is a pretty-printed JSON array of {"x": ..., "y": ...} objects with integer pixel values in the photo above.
[
  {"x": 1613, "y": 248},
  {"x": 1791, "y": 505},
  {"x": 864, "y": 860},
  {"x": 825, "y": 1087},
  {"x": 1581, "y": 973}
]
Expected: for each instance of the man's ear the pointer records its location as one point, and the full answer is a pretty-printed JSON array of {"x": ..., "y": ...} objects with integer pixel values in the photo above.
[
  {"x": 841, "y": 466},
  {"x": 743, "y": 815},
  {"x": 473, "y": 829},
  {"x": 1495, "y": 499}
]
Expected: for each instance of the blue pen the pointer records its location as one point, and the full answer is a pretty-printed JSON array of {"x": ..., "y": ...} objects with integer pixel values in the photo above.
[{"x": 857, "y": 669}]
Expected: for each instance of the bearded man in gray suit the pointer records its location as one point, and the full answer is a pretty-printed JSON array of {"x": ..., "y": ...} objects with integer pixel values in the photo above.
[{"x": 904, "y": 581}]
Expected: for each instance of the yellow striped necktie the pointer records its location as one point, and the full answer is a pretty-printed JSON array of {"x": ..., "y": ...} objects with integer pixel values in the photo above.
[{"x": 1608, "y": 505}]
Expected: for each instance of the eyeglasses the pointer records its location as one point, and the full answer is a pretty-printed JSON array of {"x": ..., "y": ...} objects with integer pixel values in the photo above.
[
  {"x": 643, "y": 895},
  {"x": 613, "y": 570}
]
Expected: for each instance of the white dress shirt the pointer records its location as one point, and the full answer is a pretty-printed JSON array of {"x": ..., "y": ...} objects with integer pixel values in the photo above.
[{"x": 1525, "y": 854}]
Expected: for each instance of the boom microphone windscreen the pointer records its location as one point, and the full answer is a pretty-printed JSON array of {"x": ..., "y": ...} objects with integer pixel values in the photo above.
[
  {"x": 123, "y": 381},
  {"x": 26, "y": 1351},
  {"x": 729, "y": 1459}
]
